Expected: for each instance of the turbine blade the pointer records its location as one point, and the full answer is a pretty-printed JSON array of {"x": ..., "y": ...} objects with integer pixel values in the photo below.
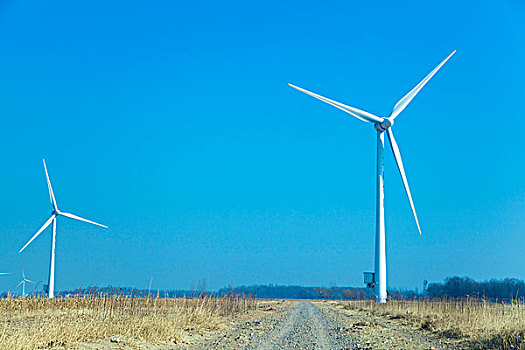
[
  {"x": 5, "y": 273},
  {"x": 23, "y": 275},
  {"x": 25, "y": 279},
  {"x": 399, "y": 162},
  {"x": 364, "y": 116},
  {"x": 38, "y": 232},
  {"x": 51, "y": 194},
  {"x": 18, "y": 285},
  {"x": 401, "y": 105},
  {"x": 72, "y": 216}
]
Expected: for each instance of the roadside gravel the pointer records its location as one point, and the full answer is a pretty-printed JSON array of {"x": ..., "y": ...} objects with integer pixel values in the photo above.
[{"x": 370, "y": 332}]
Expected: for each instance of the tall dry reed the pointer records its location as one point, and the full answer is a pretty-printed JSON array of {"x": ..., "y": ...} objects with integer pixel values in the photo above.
[
  {"x": 481, "y": 323},
  {"x": 34, "y": 323}
]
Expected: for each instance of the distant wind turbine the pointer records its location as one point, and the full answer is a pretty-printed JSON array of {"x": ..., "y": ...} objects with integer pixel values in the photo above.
[
  {"x": 383, "y": 124},
  {"x": 23, "y": 283},
  {"x": 54, "y": 214},
  {"x": 149, "y": 288}
]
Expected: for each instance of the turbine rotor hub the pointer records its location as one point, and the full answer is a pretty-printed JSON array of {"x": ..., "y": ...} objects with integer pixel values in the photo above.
[{"x": 384, "y": 125}]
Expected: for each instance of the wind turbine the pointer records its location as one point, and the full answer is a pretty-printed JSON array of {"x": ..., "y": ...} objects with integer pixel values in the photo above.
[
  {"x": 149, "y": 288},
  {"x": 382, "y": 125},
  {"x": 23, "y": 283},
  {"x": 54, "y": 214}
]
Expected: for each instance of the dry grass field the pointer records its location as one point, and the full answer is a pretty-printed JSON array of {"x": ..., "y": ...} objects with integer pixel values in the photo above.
[
  {"x": 138, "y": 322},
  {"x": 95, "y": 321},
  {"x": 476, "y": 323}
]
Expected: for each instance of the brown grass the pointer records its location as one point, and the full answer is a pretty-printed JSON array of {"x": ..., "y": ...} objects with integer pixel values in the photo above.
[
  {"x": 479, "y": 323},
  {"x": 39, "y": 323}
]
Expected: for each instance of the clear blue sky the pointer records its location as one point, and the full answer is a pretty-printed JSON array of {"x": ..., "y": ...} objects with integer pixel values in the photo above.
[{"x": 173, "y": 124}]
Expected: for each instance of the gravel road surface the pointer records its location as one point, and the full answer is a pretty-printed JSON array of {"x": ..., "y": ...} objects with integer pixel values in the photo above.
[
  {"x": 318, "y": 325},
  {"x": 304, "y": 327}
]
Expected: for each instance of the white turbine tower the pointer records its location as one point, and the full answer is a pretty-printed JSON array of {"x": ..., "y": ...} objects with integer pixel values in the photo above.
[
  {"x": 23, "y": 283},
  {"x": 54, "y": 214},
  {"x": 383, "y": 124}
]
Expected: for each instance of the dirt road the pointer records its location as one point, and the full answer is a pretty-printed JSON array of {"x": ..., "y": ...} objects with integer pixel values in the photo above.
[
  {"x": 304, "y": 327},
  {"x": 319, "y": 325}
]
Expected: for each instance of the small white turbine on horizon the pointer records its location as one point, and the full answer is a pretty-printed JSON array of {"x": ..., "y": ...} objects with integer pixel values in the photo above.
[
  {"x": 54, "y": 214},
  {"x": 383, "y": 124},
  {"x": 23, "y": 283}
]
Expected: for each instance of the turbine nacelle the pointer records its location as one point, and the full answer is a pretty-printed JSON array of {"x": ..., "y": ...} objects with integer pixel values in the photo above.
[{"x": 384, "y": 125}]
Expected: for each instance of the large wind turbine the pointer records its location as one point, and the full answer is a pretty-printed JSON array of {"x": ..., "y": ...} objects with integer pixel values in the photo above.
[
  {"x": 23, "y": 283},
  {"x": 382, "y": 125},
  {"x": 54, "y": 214}
]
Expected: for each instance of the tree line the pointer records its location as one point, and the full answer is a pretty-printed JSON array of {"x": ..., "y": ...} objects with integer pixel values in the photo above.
[
  {"x": 298, "y": 292},
  {"x": 461, "y": 287},
  {"x": 451, "y": 287}
]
